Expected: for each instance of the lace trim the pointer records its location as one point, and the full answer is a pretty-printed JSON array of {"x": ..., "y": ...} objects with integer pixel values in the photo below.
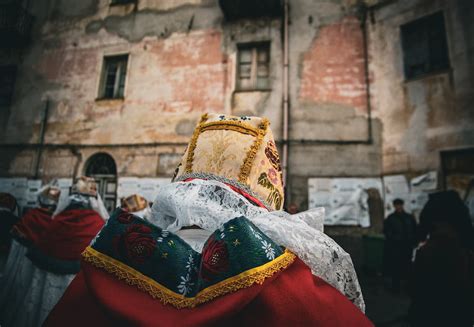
[
  {"x": 208, "y": 176},
  {"x": 248, "y": 162},
  {"x": 157, "y": 291}
]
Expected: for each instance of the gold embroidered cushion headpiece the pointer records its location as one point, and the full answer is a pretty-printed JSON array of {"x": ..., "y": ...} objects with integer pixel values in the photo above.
[
  {"x": 134, "y": 203},
  {"x": 239, "y": 151},
  {"x": 84, "y": 185}
]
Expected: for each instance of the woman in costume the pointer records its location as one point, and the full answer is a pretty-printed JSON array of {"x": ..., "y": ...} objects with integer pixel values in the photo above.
[
  {"x": 137, "y": 205},
  {"x": 56, "y": 253},
  {"x": 442, "y": 285},
  {"x": 19, "y": 269},
  {"x": 218, "y": 249}
]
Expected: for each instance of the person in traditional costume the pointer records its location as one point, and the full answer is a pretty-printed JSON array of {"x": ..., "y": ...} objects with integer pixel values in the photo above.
[
  {"x": 55, "y": 255},
  {"x": 19, "y": 269},
  {"x": 442, "y": 285},
  {"x": 8, "y": 217},
  {"x": 248, "y": 263},
  {"x": 137, "y": 205}
]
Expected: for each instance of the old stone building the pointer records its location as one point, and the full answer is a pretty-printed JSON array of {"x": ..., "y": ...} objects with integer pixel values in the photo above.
[{"x": 113, "y": 88}]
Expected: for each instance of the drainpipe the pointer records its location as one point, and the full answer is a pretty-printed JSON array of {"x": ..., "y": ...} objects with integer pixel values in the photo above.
[
  {"x": 363, "y": 25},
  {"x": 39, "y": 152},
  {"x": 285, "y": 95}
]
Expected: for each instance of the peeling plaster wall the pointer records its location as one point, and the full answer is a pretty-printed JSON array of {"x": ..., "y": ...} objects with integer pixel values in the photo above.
[
  {"x": 182, "y": 62},
  {"x": 423, "y": 116}
]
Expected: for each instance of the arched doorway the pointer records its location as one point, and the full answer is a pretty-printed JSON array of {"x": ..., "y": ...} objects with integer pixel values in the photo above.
[{"x": 102, "y": 167}]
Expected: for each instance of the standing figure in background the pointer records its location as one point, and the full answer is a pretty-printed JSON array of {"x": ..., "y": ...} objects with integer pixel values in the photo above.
[
  {"x": 443, "y": 280},
  {"x": 55, "y": 255},
  {"x": 18, "y": 273},
  {"x": 400, "y": 239},
  {"x": 8, "y": 218}
]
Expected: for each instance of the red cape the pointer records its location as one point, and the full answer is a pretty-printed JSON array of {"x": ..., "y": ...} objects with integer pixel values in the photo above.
[
  {"x": 33, "y": 223},
  {"x": 69, "y": 233},
  {"x": 292, "y": 297}
]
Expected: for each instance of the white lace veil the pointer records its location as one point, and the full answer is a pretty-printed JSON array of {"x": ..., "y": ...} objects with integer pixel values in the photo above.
[
  {"x": 209, "y": 204},
  {"x": 95, "y": 203}
]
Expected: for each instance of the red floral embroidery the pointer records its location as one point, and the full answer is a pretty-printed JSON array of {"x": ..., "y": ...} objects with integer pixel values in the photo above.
[
  {"x": 125, "y": 217},
  {"x": 272, "y": 176},
  {"x": 272, "y": 154},
  {"x": 215, "y": 259},
  {"x": 136, "y": 243}
]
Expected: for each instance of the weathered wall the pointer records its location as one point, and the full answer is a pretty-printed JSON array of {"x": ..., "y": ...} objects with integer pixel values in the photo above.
[
  {"x": 423, "y": 116},
  {"x": 182, "y": 62}
]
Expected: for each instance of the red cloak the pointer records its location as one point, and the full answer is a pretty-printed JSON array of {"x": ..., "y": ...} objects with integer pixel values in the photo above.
[
  {"x": 69, "y": 233},
  {"x": 292, "y": 297},
  {"x": 30, "y": 227}
]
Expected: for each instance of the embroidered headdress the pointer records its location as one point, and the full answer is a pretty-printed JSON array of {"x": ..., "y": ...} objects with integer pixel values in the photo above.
[
  {"x": 49, "y": 196},
  {"x": 85, "y": 186},
  {"x": 134, "y": 203},
  {"x": 8, "y": 202},
  {"x": 239, "y": 151}
]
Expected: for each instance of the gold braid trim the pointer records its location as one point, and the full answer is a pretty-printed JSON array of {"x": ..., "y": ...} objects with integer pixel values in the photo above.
[
  {"x": 230, "y": 125},
  {"x": 235, "y": 126},
  {"x": 192, "y": 145},
  {"x": 157, "y": 291},
  {"x": 248, "y": 162}
]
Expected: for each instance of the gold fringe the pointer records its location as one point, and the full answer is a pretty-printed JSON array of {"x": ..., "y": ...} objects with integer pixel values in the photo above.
[
  {"x": 192, "y": 145},
  {"x": 157, "y": 291},
  {"x": 248, "y": 162},
  {"x": 230, "y": 125}
]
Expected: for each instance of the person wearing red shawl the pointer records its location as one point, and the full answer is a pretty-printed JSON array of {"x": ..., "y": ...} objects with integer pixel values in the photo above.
[
  {"x": 218, "y": 250},
  {"x": 28, "y": 230},
  {"x": 19, "y": 269},
  {"x": 55, "y": 252}
]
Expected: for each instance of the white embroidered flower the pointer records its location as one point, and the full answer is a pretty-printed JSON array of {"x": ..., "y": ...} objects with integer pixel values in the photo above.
[
  {"x": 164, "y": 234},
  {"x": 222, "y": 229},
  {"x": 190, "y": 263},
  {"x": 255, "y": 233},
  {"x": 269, "y": 251},
  {"x": 185, "y": 285}
]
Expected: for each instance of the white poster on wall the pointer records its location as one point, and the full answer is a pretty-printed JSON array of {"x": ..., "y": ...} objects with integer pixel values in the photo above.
[
  {"x": 344, "y": 199},
  {"x": 425, "y": 182},
  {"x": 146, "y": 187},
  {"x": 395, "y": 187},
  {"x": 25, "y": 191},
  {"x": 414, "y": 194}
]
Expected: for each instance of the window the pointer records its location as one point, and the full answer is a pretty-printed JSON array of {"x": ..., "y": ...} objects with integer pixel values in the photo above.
[
  {"x": 425, "y": 49},
  {"x": 113, "y": 77},
  {"x": 122, "y": 2},
  {"x": 253, "y": 69},
  {"x": 7, "y": 84}
]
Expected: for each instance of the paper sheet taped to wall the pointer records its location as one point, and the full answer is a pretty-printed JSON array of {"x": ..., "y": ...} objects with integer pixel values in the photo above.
[
  {"x": 146, "y": 187},
  {"x": 344, "y": 199},
  {"x": 414, "y": 193},
  {"x": 25, "y": 191}
]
